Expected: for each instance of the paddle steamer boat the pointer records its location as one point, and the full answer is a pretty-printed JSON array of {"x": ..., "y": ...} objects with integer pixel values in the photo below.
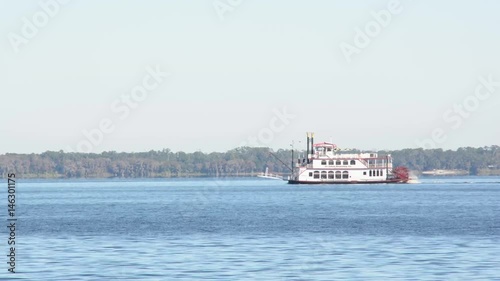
[{"x": 326, "y": 163}]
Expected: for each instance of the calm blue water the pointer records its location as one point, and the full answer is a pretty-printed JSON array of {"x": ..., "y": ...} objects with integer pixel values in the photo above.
[{"x": 255, "y": 229}]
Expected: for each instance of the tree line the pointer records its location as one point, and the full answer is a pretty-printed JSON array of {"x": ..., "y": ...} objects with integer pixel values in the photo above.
[{"x": 243, "y": 161}]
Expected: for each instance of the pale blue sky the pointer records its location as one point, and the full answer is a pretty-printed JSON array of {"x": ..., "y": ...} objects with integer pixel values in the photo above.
[{"x": 228, "y": 75}]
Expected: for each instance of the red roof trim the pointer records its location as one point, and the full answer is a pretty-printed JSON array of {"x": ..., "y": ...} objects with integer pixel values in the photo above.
[{"x": 325, "y": 144}]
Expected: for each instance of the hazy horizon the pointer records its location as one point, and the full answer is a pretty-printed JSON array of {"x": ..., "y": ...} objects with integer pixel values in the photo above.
[{"x": 212, "y": 76}]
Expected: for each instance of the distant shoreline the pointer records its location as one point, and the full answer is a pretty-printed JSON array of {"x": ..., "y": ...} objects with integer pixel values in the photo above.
[
  {"x": 240, "y": 175},
  {"x": 243, "y": 161}
]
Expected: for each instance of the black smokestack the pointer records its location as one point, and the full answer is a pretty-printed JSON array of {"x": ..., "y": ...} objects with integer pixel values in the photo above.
[
  {"x": 307, "y": 154},
  {"x": 312, "y": 143}
]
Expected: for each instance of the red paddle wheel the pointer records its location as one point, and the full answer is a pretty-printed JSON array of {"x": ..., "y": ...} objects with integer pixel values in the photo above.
[{"x": 401, "y": 173}]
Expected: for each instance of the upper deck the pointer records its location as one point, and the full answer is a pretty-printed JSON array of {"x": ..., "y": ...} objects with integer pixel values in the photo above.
[
  {"x": 327, "y": 150},
  {"x": 327, "y": 155}
]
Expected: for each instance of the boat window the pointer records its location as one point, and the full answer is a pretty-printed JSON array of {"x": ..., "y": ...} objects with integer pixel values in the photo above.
[
  {"x": 381, "y": 172},
  {"x": 316, "y": 174},
  {"x": 323, "y": 162},
  {"x": 323, "y": 174},
  {"x": 345, "y": 174},
  {"x": 337, "y": 162},
  {"x": 330, "y": 175},
  {"x": 378, "y": 173},
  {"x": 353, "y": 162},
  {"x": 310, "y": 174},
  {"x": 329, "y": 149},
  {"x": 330, "y": 162},
  {"x": 345, "y": 162},
  {"x": 338, "y": 175},
  {"x": 370, "y": 173},
  {"x": 364, "y": 173}
]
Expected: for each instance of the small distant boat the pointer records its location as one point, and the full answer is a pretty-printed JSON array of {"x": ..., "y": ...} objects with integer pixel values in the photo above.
[{"x": 268, "y": 175}]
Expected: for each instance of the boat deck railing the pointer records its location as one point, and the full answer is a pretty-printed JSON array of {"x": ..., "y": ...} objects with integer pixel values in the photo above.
[
  {"x": 369, "y": 166},
  {"x": 381, "y": 165}
]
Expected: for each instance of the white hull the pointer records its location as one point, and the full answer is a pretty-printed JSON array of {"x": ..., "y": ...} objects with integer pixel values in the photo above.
[
  {"x": 271, "y": 177},
  {"x": 267, "y": 175}
]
